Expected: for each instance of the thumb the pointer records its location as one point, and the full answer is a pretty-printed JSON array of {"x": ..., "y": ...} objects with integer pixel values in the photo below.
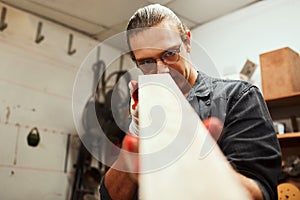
[
  {"x": 215, "y": 126},
  {"x": 133, "y": 87}
]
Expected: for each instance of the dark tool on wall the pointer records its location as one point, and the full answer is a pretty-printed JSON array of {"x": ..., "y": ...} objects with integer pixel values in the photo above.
[
  {"x": 84, "y": 157},
  {"x": 33, "y": 137},
  {"x": 87, "y": 177}
]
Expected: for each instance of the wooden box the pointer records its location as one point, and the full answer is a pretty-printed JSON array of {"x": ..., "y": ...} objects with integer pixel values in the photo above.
[{"x": 280, "y": 73}]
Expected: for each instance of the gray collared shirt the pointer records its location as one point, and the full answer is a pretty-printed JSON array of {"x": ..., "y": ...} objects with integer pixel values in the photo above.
[{"x": 248, "y": 139}]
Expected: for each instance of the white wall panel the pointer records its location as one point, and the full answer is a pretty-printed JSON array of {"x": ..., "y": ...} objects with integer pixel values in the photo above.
[
  {"x": 36, "y": 85},
  {"x": 249, "y": 32},
  {"x": 8, "y": 143},
  {"x": 48, "y": 155},
  {"x": 35, "y": 185},
  {"x": 30, "y": 107}
]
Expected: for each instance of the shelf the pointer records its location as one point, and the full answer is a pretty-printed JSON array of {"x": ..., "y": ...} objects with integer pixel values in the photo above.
[
  {"x": 283, "y": 101},
  {"x": 288, "y": 135}
]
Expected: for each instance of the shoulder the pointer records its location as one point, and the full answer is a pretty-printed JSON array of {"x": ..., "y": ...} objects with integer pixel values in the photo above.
[{"x": 231, "y": 88}]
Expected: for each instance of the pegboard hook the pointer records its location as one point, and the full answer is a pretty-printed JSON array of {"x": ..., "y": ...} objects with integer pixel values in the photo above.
[
  {"x": 39, "y": 37},
  {"x": 70, "y": 51},
  {"x": 3, "y": 25}
]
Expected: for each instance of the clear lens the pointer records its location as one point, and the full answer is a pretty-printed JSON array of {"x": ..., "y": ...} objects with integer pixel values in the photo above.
[
  {"x": 146, "y": 61},
  {"x": 170, "y": 57},
  {"x": 148, "y": 65},
  {"x": 149, "y": 68}
]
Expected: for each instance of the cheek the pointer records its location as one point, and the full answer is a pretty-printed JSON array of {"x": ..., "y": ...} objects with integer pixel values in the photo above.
[
  {"x": 177, "y": 72},
  {"x": 179, "y": 76},
  {"x": 179, "y": 68}
]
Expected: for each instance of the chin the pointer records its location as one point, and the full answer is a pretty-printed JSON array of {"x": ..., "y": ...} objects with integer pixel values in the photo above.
[{"x": 181, "y": 82}]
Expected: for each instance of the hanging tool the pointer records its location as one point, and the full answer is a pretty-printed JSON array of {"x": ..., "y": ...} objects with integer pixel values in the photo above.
[{"x": 33, "y": 137}]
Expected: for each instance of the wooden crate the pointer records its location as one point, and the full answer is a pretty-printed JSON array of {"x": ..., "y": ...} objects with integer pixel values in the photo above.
[{"x": 280, "y": 72}]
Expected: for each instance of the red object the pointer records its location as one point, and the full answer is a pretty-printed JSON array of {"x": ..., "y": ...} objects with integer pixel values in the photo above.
[
  {"x": 135, "y": 96},
  {"x": 131, "y": 143},
  {"x": 214, "y": 126}
]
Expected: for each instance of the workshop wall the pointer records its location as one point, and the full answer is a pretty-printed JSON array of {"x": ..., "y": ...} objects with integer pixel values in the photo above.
[
  {"x": 36, "y": 83},
  {"x": 246, "y": 33}
]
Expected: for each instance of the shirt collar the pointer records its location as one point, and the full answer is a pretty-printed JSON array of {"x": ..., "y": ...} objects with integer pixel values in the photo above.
[{"x": 201, "y": 88}]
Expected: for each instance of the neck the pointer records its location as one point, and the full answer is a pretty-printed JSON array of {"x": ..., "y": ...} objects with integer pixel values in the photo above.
[
  {"x": 193, "y": 76},
  {"x": 191, "y": 80}
]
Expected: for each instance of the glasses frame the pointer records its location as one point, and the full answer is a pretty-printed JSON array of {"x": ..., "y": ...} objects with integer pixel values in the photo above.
[{"x": 162, "y": 57}]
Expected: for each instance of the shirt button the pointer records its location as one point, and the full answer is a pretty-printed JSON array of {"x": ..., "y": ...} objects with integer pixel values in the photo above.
[{"x": 207, "y": 102}]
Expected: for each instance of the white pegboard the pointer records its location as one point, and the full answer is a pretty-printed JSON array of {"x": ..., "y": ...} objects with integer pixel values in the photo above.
[
  {"x": 8, "y": 147},
  {"x": 36, "y": 85},
  {"x": 21, "y": 183}
]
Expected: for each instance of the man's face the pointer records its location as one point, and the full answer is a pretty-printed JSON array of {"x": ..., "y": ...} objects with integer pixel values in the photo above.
[{"x": 160, "y": 49}]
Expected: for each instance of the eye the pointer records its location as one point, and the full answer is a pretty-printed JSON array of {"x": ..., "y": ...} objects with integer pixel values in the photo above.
[
  {"x": 171, "y": 56},
  {"x": 169, "y": 53},
  {"x": 146, "y": 61},
  {"x": 148, "y": 68}
]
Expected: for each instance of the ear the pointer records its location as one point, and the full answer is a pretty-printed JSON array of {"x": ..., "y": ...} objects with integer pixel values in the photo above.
[
  {"x": 188, "y": 40},
  {"x": 188, "y": 33}
]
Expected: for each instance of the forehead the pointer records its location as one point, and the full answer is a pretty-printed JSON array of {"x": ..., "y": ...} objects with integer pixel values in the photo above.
[{"x": 160, "y": 37}]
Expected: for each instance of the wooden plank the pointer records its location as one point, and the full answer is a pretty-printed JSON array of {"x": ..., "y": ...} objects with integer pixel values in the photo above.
[
  {"x": 288, "y": 135},
  {"x": 179, "y": 159},
  {"x": 284, "y": 100}
]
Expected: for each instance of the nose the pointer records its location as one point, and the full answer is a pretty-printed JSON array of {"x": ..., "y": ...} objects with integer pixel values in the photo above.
[{"x": 161, "y": 67}]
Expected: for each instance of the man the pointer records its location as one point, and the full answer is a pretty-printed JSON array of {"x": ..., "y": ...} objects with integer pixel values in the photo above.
[{"x": 247, "y": 140}]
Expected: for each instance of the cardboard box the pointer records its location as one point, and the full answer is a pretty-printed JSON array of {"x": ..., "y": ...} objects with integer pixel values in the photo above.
[{"x": 280, "y": 73}]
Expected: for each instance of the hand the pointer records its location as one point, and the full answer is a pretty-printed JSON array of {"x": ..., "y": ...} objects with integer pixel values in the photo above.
[
  {"x": 131, "y": 142},
  {"x": 129, "y": 158},
  {"x": 214, "y": 126},
  {"x": 121, "y": 179},
  {"x": 134, "y": 109}
]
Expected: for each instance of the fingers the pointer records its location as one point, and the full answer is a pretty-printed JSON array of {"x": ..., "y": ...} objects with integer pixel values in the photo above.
[
  {"x": 131, "y": 143},
  {"x": 214, "y": 126},
  {"x": 134, "y": 110},
  {"x": 133, "y": 87}
]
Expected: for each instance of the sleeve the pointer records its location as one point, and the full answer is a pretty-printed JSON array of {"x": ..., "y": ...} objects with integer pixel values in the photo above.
[
  {"x": 249, "y": 141},
  {"x": 104, "y": 195}
]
